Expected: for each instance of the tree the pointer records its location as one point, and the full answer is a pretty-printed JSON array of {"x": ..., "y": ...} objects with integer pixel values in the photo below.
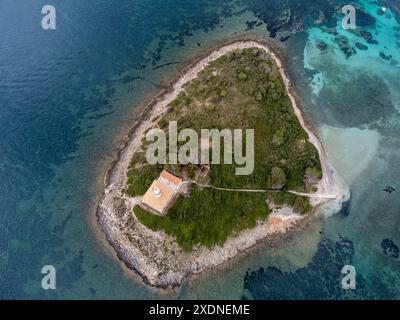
[{"x": 278, "y": 178}]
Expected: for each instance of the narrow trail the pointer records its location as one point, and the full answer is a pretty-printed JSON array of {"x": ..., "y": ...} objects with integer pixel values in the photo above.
[{"x": 304, "y": 194}]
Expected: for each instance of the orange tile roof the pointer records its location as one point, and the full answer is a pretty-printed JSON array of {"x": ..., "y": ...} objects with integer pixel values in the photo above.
[
  {"x": 170, "y": 177},
  {"x": 161, "y": 203}
]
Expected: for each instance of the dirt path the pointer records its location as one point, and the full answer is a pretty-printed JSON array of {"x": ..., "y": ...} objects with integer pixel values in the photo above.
[{"x": 304, "y": 194}]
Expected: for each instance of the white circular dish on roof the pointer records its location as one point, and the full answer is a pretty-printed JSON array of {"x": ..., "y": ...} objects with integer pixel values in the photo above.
[{"x": 157, "y": 192}]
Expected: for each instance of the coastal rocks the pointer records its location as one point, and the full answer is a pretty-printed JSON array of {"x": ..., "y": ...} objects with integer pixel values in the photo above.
[
  {"x": 343, "y": 43},
  {"x": 384, "y": 56},
  {"x": 380, "y": 12},
  {"x": 285, "y": 38},
  {"x": 390, "y": 248},
  {"x": 361, "y": 46},
  {"x": 389, "y": 189},
  {"x": 310, "y": 73},
  {"x": 321, "y": 45},
  {"x": 364, "y": 19},
  {"x": 282, "y": 20},
  {"x": 394, "y": 5},
  {"x": 345, "y": 210},
  {"x": 287, "y": 16},
  {"x": 250, "y": 25},
  {"x": 366, "y": 35},
  {"x": 332, "y": 31},
  {"x": 157, "y": 257},
  {"x": 318, "y": 17}
]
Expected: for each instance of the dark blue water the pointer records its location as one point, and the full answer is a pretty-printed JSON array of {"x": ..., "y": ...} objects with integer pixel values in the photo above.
[
  {"x": 67, "y": 98},
  {"x": 58, "y": 90}
]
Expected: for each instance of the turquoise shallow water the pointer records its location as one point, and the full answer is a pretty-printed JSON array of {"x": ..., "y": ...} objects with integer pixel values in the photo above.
[{"x": 67, "y": 99}]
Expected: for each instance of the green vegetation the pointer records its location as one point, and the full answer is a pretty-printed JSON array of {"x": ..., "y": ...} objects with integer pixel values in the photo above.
[
  {"x": 242, "y": 89},
  {"x": 193, "y": 220}
]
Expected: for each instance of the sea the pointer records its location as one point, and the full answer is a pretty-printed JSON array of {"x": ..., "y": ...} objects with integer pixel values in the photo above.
[{"x": 69, "y": 95}]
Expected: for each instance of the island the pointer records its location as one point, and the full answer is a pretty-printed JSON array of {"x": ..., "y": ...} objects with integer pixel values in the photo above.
[{"x": 169, "y": 220}]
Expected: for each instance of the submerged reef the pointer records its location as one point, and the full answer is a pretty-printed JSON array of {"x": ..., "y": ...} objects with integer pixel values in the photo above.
[
  {"x": 373, "y": 105},
  {"x": 320, "y": 279},
  {"x": 390, "y": 248}
]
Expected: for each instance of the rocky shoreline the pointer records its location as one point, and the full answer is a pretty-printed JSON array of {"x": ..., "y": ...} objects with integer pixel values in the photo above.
[{"x": 156, "y": 256}]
